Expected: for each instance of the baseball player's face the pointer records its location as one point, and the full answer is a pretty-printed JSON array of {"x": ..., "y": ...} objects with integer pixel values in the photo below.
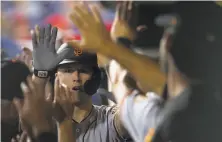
[{"x": 74, "y": 76}]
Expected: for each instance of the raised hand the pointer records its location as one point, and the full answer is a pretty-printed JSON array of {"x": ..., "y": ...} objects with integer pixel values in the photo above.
[
  {"x": 34, "y": 111},
  {"x": 92, "y": 29},
  {"x": 124, "y": 22},
  {"x": 45, "y": 57},
  {"x": 62, "y": 103}
]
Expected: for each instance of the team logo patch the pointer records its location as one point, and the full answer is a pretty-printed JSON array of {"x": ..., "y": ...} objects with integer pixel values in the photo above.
[{"x": 77, "y": 51}]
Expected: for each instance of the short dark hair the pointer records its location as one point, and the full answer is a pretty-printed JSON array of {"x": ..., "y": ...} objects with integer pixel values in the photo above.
[{"x": 12, "y": 74}]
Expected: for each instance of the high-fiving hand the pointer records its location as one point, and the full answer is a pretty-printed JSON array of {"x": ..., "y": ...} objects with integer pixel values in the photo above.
[
  {"x": 62, "y": 103},
  {"x": 92, "y": 29},
  {"x": 34, "y": 111},
  {"x": 124, "y": 22},
  {"x": 45, "y": 57}
]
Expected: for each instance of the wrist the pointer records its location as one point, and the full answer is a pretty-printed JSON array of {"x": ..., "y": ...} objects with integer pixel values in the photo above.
[
  {"x": 116, "y": 50},
  {"x": 125, "y": 32},
  {"x": 110, "y": 47},
  {"x": 41, "y": 128},
  {"x": 65, "y": 123},
  {"x": 38, "y": 80},
  {"x": 44, "y": 74}
]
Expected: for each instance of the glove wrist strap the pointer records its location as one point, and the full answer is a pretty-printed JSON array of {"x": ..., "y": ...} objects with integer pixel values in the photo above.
[{"x": 42, "y": 73}]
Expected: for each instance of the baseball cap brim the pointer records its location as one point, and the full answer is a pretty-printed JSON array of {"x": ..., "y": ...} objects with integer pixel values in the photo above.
[{"x": 67, "y": 61}]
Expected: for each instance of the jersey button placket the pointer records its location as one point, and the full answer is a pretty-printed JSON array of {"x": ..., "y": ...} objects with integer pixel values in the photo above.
[{"x": 77, "y": 130}]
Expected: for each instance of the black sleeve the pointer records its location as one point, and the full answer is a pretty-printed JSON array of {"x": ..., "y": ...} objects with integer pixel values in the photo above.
[{"x": 47, "y": 137}]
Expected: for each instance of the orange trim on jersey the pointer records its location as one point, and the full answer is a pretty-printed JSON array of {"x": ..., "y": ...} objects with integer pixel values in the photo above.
[{"x": 149, "y": 136}]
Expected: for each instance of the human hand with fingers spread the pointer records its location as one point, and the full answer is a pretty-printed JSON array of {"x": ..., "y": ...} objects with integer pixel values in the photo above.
[
  {"x": 34, "y": 111},
  {"x": 62, "y": 110},
  {"x": 45, "y": 58},
  {"x": 124, "y": 17},
  {"x": 92, "y": 29},
  {"x": 63, "y": 103}
]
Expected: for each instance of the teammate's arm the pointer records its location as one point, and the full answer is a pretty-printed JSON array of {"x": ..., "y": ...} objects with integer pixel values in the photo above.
[{"x": 65, "y": 131}]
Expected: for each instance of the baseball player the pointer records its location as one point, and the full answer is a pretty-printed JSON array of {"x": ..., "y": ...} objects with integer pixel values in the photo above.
[{"x": 79, "y": 72}]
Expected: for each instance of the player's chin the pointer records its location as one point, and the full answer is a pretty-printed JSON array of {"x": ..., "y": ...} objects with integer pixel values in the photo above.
[{"x": 79, "y": 103}]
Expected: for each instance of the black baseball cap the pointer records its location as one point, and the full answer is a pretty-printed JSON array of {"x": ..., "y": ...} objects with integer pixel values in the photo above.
[
  {"x": 78, "y": 56},
  {"x": 197, "y": 42}
]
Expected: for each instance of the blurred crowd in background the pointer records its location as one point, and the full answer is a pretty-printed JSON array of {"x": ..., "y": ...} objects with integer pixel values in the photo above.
[{"x": 19, "y": 17}]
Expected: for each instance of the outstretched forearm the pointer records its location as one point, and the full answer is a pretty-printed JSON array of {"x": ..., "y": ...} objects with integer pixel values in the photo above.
[{"x": 144, "y": 70}]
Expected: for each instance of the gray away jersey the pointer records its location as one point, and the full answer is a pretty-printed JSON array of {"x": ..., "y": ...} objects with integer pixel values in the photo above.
[
  {"x": 139, "y": 117},
  {"x": 98, "y": 126}
]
